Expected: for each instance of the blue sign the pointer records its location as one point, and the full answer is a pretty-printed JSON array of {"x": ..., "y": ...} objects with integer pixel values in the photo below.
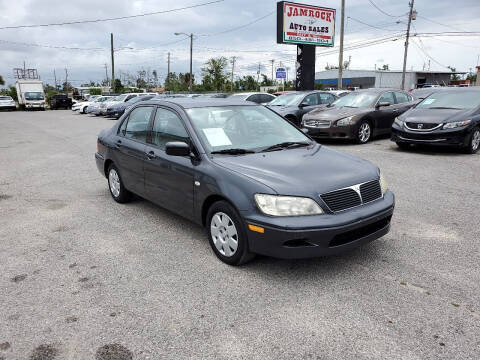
[{"x": 281, "y": 73}]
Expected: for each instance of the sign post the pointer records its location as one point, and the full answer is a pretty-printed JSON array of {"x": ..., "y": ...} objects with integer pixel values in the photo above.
[
  {"x": 281, "y": 73},
  {"x": 307, "y": 26}
]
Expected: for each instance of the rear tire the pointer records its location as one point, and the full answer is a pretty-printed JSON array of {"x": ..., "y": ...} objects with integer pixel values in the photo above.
[
  {"x": 473, "y": 142},
  {"x": 115, "y": 184},
  {"x": 364, "y": 132},
  {"x": 227, "y": 234}
]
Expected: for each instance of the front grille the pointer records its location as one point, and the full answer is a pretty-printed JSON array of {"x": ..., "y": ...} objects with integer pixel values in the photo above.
[
  {"x": 370, "y": 191},
  {"x": 317, "y": 123},
  {"x": 350, "y": 197},
  {"x": 420, "y": 126},
  {"x": 341, "y": 199}
]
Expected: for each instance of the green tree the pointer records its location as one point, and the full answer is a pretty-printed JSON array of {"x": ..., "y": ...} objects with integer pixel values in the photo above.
[
  {"x": 93, "y": 91},
  {"x": 11, "y": 91},
  {"x": 472, "y": 77},
  {"x": 213, "y": 73},
  {"x": 117, "y": 86},
  {"x": 266, "y": 81},
  {"x": 2, "y": 82},
  {"x": 385, "y": 67},
  {"x": 453, "y": 77}
]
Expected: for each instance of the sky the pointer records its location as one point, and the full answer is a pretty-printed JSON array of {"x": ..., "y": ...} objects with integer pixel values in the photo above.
[{"x": 245, "y": 29}]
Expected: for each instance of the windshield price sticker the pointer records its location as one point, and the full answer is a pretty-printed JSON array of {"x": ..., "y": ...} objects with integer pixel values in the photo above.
[
  {"x": 217, "y": 137},
  {"x": 428, "y": 101}
]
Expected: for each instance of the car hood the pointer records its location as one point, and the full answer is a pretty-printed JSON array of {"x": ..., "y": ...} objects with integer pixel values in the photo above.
[
  {"x": 335, "y": 113},
  {"x": 435, "y": 116},
  {"x": 282, "y": 110},
  {"x": 302, "y": 171}
]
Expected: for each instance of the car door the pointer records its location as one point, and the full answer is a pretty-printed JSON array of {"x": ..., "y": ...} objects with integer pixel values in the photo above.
[
  {"x": 169, "y": 179},
  {"x": 385, "y": 115},
  {"x": 130, "y": 148},
  {"x": 309, "y": 103},
  {"x": 404, "y": 101}
]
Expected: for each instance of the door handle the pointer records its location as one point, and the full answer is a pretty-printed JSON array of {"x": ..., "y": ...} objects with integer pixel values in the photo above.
[
  {"x": 118, "y": 143},
  {"x": 150, "y": 155}
]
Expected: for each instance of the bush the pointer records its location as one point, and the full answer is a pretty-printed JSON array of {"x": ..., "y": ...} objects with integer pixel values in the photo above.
[
  {"x": 93, "y": 91},
  {"x": 11, "y": 91}
]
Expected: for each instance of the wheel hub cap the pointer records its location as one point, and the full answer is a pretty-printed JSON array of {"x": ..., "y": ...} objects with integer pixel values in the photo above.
[
  {"x": 224, "y": 234},
  {"x": 114, "y": 182},
  {"x": 364, "y": 132},
  {"x": 475, "y": 140}
]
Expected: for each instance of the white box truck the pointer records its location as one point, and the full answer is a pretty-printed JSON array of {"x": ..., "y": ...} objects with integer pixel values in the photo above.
[{"x": 30, "y": 94}]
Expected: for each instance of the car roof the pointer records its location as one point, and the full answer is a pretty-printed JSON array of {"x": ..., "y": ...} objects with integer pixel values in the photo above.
[
  {"x": 188, "y": 103},
  {"x": 377, "y": 90}
]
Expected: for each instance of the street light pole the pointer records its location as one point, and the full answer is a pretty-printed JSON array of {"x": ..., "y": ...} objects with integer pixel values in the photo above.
[
  {"x": 190, "y": 83},
  {"x": 406, "y": 44}
]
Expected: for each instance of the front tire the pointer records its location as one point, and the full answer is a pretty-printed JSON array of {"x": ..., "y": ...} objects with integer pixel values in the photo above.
[
  {"x": 473, "y": 142},
  {"x": 227, "y": 235},
  {"x": 115, "y": 184},
  {"x": 364, "y": 132}
]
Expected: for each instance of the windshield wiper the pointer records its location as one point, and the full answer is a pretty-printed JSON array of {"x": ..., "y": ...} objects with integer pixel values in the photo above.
[
  {"x": 286, "y": 145},
  {"x": 233, "y": 151}
]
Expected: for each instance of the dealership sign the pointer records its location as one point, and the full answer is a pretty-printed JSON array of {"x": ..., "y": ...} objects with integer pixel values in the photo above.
[
  {"x": 281, "y": 73},
  {"x": 305, "y": 24}
]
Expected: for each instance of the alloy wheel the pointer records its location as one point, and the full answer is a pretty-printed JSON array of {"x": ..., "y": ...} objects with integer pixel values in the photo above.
[
  {"x": 224, "y": 234},
  {"x": 364, "y": 132},
  {"x": 475, "y": 140},
  {"x": 114, "y": 182}
]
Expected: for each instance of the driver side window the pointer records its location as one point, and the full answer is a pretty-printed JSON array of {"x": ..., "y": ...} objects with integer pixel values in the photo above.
[
  {"x": 136, "y": 126},
  {"x": 387, "y": 97},
  {"x": 311, "y": 99}
]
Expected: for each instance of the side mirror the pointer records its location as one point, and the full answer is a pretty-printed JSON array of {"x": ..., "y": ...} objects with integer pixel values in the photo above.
[
  {"x": 383, "y": 104},
  {"x": 302, "y": 105},
  {"x": 177, "y": 148}
]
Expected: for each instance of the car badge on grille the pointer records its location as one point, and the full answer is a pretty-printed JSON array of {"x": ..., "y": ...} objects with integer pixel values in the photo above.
[
  {"x": 420, "y": 126},
  {"x": 356, "y": 188}
]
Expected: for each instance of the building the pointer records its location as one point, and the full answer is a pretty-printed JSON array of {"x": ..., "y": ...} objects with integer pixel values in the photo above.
[{"x": 383, "y": 78}]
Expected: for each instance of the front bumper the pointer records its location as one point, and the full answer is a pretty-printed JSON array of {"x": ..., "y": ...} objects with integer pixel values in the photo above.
[
  {"x": 333, "y": 132},
  {"x": 8, "y": 107},
  {"x": 116, "y": 113},
  {"x": 450, "y": 137},
  {"x": 322, "y": 235}
]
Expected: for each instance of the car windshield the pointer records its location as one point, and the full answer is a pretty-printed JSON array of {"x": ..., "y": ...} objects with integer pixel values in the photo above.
[
  {"x": 356, "y": 100},
  {"x": 250, "y": 128},
  {"x": 292, "y": 99},
  {"x": 5, "y": 98},
  {"x": 451, "y": 100},
  {"x": 34, "y": 96}
]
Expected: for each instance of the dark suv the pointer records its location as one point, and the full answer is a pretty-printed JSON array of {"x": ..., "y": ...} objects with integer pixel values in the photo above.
[{"x": 58, "y": 101}]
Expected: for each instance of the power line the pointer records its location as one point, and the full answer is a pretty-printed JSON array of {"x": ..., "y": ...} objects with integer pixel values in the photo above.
[
  {"x": 383, "y": 12},
  {"x": 113, "y": 18},
  {"x": 50, "y": 46},
  {"x": 241, "y": 26},
  {"x": 372, "y": 26},
  {"x": 439, "y": 23}
]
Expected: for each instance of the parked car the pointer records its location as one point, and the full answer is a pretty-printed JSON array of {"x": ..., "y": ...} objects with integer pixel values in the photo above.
[
  {"x": 81, "y": 106},
  {"x": 294, "y": 105},
  {"x": 94, "y": 107},
  {"x": 360, "y": 115},
  {"x": 257, "y": 183},
  {"x": 448, "y": 118},
  {"x": 117, "y": 110},
  {"x": 256, "y": 97},
  {"x": 7, "y": 103},
  {"x": 58, "y": 101},
  {"x": 339, "y": 93},
  {"x": 30, "y": 94},
  {"x": 102, "y": 110}
]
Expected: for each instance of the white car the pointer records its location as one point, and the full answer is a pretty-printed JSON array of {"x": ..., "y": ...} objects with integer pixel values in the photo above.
[
  {"x": 81, "y": 106},
  {"x": 256, "y": 97},
  {"x": 7, "y": 103}
]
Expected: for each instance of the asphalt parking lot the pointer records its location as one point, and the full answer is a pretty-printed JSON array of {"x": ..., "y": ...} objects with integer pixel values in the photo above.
[{"x": 83, "y": 277}]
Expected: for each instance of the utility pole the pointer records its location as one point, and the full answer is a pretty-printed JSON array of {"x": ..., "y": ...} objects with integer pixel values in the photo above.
[
  {"x": 106, "y": 73},
  {"x": 113, "y": 63},
  {"x": 168, "y": 72},
  {"x": 233, "y": 68},
  {"x": 66, "y": 81},
  {"x": 191, "y": 55},
  {"x": 55, "y": 77},
  {"x": 340, "y": 56},
  {"x": 272, "y": 61},
  {"x": 406, "y": 43},
  {"x": 258, "y": 76}
]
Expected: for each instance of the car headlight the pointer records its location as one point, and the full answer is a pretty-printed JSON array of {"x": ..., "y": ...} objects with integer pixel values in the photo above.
[
  {"x": 276, "y": 205},
  {"x": 398, "y": 122},
  {"x": 453, "y": 125},
  {"x": 346, "y": 121},
  {"x": 383, "y": 184}
]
